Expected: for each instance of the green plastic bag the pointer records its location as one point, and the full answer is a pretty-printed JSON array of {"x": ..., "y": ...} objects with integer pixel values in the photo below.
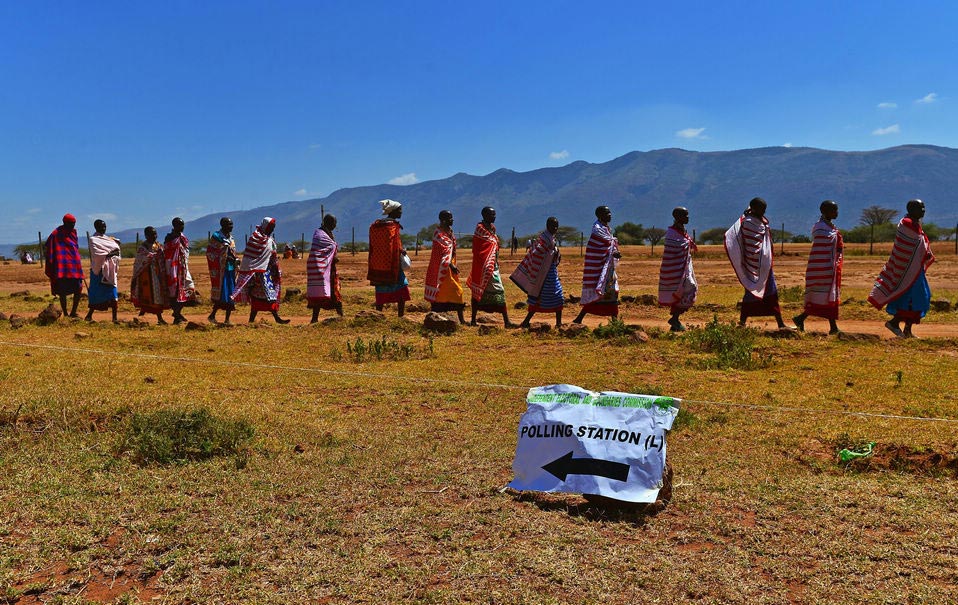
[{"x": 847, "y": 455}]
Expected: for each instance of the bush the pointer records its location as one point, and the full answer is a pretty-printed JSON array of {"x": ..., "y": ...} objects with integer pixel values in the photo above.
[
  {"x": 360, "y": 350},
  {"x": 180, "y": 435},
  {"x": 616, "y": 328},
  {"x": 733, "y": 346},
  {"x": 791, "y": 294}
]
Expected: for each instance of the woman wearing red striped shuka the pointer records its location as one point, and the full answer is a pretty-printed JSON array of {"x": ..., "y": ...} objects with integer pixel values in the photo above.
[
  {"x": 902, "y": 284},
  {"x": 677, "y": 285},
  {"x": 823, "y": 275},
  {"x": 748, "y": 244},
  {"x": 443, "y": 289},
  {"x": 600, "y": 285},
  {"x": 259, "y": 280},
  {"x": 538, "y": 275},
  {"x": 484, "y": 279}
]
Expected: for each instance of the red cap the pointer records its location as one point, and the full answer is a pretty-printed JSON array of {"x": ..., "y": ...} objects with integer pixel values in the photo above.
[{"x": 69, "y": 218}]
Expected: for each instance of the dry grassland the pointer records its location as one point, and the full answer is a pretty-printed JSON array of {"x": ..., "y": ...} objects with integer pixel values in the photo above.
[{"x": 380, "y": 481}]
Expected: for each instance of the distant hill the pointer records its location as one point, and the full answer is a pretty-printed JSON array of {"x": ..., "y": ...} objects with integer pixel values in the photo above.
[{"x": 641, "y": 187}]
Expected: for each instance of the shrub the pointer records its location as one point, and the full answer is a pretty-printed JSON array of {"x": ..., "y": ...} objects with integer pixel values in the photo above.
[
  {"x": 180, "y": 435},
  {"x": 360, "y": 350},
  {"x": 732, "y": 346},
  {"x": 791, "y": 294},
  {"x": 616, "y": 328}
]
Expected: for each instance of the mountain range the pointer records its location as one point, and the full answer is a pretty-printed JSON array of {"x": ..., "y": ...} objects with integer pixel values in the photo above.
[{"x": 641, "y": 187}]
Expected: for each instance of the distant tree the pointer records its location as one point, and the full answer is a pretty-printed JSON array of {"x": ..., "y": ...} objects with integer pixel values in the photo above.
[
  {"x": 425, "y": 234},
  {"x": 629, "y": 233},
  {"x": 874, "y": 216},
  {"x": 33, "y": 249},
  {"x": 936, "y": 233},
  {"x": 654, "y": 235},
  {"x": 566, "y": 234},
  {"x": 800, "y": 239},
  {"x": 713, "y": 236}
]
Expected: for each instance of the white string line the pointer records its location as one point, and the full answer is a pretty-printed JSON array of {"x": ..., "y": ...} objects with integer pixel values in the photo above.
[{"x": 466, "y": 383}]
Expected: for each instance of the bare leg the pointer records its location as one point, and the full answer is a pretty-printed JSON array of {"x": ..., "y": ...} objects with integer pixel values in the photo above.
[
  {"x": 800, "y": 322},
  {"x": 229, "y": 312},
  {"x": 907, "y": 332},
  {"x": 252, "y": 315},
  {"x": 525, "y": 322},
  {"x": 159, "y": 319},
  {"x": 402, "y": 307},
  {"x": 114, "y": 314},
  {"x": 472, "y": 322},
  {"x": 212, "y": 316},
  {"x": 675, "y": 323},
  {"x": 833, "y": 327},
  {"x": 505, "y": 320},
  {"x": 315, "y": 316},
  {"x": 558, "y": 317},
  {"x": 76, "y": 303},
  {"x": 578, "y": 318},
  {"x": 339, "y": 309},
  {"x": 279, "y": 319},
  {"x": 893, "y": 327},
  {"x": 63, "y": 304},
  {"x": 462, "y": 319}
]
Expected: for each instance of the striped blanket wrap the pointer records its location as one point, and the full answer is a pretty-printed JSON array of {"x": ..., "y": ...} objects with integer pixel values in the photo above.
[
  {"x": 179, "y": 282},
  {"x": 439, "y": 275},
  {"x": 322, "y": 283},
  {"x": 748, "y": 244},
  {"x": 598, "y": 275},
  {"x": 148, "y": 290},
  {"x": 221, "y": 260},
  {"x": 259, "y": 277},
  {"x": 823, "y": 274},
  {"x": 677, "y": 285},
  {"x": 910, "y": 257},
  {"x": 531, "y": 273},
  {"x": 485, "y": 259}
]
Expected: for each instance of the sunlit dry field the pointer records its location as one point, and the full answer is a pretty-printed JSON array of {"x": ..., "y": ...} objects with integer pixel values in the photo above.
[{"x": 381, "y": 480}]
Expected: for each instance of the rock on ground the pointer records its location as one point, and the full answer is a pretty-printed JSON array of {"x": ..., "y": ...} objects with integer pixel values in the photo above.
[
  {"x": 573, "y": 330},
  {"x": 48, "y": 316},
  {"x": 486, "y": 330},
  {"x": 437, "y": 322}
]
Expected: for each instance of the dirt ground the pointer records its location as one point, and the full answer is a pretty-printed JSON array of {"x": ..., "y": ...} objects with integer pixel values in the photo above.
[{"x": 638, "y": 275}]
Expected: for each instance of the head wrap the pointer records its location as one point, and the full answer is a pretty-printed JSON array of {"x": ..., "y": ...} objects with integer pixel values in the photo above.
[
  {"x": 267, "y": 221},
  {"x": 69, "y": 218},
  {"x": 389, "y": 206}
]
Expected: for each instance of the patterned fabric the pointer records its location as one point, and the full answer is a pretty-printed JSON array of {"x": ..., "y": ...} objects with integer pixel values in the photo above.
[
  {"x": 443, "y": 289},
  {"x": 909, "y": 259},
  {"x": 180, "y": 286},
  {"x": 531, "y": 273},
  {"x": 677, "y": 285},
  {"x": 485, "y": 261},
  {"x": 148, "y": 290},
  {"x": 221, "y": 260},
  {"x": 748, "y": 244},
  {"x": 102, "y": 295},
  {"x": 322, "y": 281},
  {"x": 914, "y": 303},
  {"x": 101, "y": 261},
  {"x": 64, "y": 266},
  {"x": 753, "y": 306},
  {"x": 823, "y": 274},
  {"x": 600, "y": 285},
  {"x": 393, "y": 293},
  {"x": 259, "y": 281},
  {"x": 385, "y": 248},
  {"x": 551, "y": 297}
]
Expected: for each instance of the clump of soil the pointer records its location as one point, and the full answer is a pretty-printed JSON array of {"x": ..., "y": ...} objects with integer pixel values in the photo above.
[{"x": 822, "y": 455}]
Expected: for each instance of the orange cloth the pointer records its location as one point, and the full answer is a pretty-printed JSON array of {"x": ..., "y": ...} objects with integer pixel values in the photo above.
[{"x": 385, "y": 246}]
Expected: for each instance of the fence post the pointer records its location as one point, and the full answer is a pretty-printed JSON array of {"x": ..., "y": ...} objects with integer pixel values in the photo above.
[
  {"x": 581, "y": 241},
  {"x": 43, "y": 252},
  {"x": 693, "y": 236},
  {"x": 782, "y": 247},
  {"x": 354, "y": 241}
]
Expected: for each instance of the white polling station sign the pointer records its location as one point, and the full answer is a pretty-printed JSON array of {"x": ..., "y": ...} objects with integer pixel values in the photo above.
[{"x": 609, "y": 444}]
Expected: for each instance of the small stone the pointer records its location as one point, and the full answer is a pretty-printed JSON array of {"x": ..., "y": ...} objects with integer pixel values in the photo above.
[
  {"x": 486, "y": 330},
  {"x": 192, "y": 326},
  {"x": 292, "y": 294},
  {"x": 437, "y": 322},
  {"x": 370, "y": 315},
  {"x": 489, "y": 320},
  {"x": 785, "y": 334},
  {"x": 19, "y": 293},
  {"x": 573, "y": 330},
  {"x": 298, "y": 448},
  {"x": 573, "y": 299},
  {"x": 48, "y": 316},
  {"x": 17, "y": 322},
  {"x": 648, "y": 300},
  {"x": 639, "y": 336},
  {"x": 332, "y": 320},
  {"x": 149, "y": 379},
  {"x": 520, "y": 305},
  {"x": 857, "y": 337},
  {"x": 627, "y": 299},
  {"x": 416, "y": 307},
  {"x": 3, "y": 316},
  {"x": 82, "y": 335},
  {"x": 539, "y": 327}
]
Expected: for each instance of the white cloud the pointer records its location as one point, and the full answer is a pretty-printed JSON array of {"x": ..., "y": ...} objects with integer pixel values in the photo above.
[
  {"x": 300, "y": 192},
  {"x": 928, "y": 98},
  {"x": 107, "y": 216},
  {"x": 786, "y": 144},
  {"x": 404, "y": 179},
  {"x": 34, "y": 210},
  {"x": 887, "y": 105},
  {"x": 893, "y": 129},
  {"x": 691, "y": 133},
  {"x": 315, "y": 145},
  {"x": 559, "y": 155}
]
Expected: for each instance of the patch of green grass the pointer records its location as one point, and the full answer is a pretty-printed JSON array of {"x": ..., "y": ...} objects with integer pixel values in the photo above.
[
  {"x": 181, "y": 435},
  {"x": 732, "y": 346},
  {"x": 616, "y": 328}
]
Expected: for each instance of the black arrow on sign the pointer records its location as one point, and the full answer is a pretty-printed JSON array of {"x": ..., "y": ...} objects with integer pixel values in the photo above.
[{"x": 566, "y": 465}]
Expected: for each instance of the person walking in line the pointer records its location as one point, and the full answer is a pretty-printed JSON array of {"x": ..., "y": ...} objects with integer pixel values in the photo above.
[
  {"x": 221, "y": 260},
  {"x": 600, "y": 282},
  {"x": 104, "y": 266},
  {"x": 538, "y": 275},
  {"x": 677, "y": 285},
  {"x": 823, "y": 274},
  {"x": 176, "y": 249},
  {"x": 322, "y": 279},
  {"x": 748, "y": 244},
  {"x": 148, "y": 290},
  {"x": 443, "y": 290},
  {"x": 388, "y": 262},
  {"x": 259, "y": 281},
  {"x": 902, "y": 287},
  {"x": 485, "y": 281}
]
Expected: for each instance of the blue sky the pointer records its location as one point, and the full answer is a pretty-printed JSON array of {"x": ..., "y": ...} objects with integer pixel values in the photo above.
[{"x": 139, "y": 111}]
